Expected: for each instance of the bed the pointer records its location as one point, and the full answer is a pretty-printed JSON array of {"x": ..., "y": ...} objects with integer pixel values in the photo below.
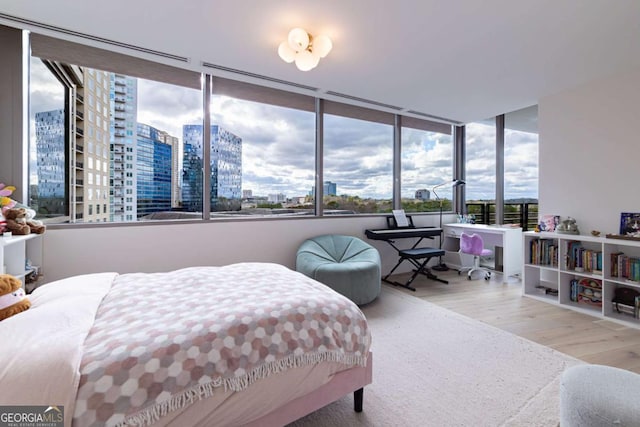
[{"x": 243, "y": 344}]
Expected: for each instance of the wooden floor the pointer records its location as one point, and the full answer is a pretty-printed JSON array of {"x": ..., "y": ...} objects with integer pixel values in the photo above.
[{"x": 502, "y": 305}]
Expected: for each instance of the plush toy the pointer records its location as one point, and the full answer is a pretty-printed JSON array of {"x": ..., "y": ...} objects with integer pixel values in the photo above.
[
  {"x": 35, "y": 225},
  {"x": 5, "y": 203},
  {"x": 17, "y": 221},
  {"x": 12, "y": 297},
  {"x": 5, "y": 192}
]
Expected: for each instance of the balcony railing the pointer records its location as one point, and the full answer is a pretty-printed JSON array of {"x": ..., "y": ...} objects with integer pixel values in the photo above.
[{"x": 523, "y": 214}]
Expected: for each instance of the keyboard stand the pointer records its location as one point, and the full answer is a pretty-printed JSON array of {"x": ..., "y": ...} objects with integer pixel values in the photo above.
[{"x": 419, "y": 257}]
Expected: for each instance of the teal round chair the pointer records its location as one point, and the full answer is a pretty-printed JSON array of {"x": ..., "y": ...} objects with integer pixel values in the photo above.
[{"x": 346, "y": 264}]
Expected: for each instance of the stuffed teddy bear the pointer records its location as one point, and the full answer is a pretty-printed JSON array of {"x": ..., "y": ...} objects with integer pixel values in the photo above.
[
  {"x": 12, "y": 297},
  {"x": 35, "y": 225},
  {"x": 17, "y": 221}
]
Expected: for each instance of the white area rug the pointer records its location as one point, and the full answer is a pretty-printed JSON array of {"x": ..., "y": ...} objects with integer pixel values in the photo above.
[{"x": 434, "y": 367}]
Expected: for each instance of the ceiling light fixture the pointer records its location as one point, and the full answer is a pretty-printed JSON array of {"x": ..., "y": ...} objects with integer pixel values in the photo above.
[{"x": 304, "y": 49}]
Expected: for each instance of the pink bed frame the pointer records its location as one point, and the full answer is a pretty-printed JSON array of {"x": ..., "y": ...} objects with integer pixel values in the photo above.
[{"x": 342, "y": 383}]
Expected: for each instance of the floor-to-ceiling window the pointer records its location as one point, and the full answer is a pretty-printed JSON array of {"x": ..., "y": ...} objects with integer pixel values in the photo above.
[
  {"x": 48, "y": 132},
  {"x": 108, "y": 142},
  {"x": 358, "y": 160},
  {"x": 480, "y": 165},
  {"x": 262, "y": 152},
  {"x": 426, "y": 169},
  {"x": 521, "y": 167}
]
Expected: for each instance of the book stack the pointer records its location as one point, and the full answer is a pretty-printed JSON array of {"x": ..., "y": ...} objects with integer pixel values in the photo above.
[
  {"x": 625, "y": 267},
  {"x": 580, "y": 258},
  {"x": 543, "y": 252}
]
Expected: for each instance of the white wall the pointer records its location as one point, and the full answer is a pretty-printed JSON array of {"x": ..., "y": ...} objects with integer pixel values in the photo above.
[
  {"x": 164, "y": 247},
  {"x": 590, "y": 152}
]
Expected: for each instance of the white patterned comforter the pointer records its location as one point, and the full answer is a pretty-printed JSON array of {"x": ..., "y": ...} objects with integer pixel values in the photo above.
[{"x": 162, "y": 341}]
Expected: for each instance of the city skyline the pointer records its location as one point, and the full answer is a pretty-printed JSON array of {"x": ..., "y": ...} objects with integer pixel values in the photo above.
[{"x": 279, "y": 147}]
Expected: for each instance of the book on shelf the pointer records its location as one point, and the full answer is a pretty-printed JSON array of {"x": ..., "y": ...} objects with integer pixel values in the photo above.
[
  {"x": 625, "y": 267},
  {"x": 580, "y": 258},
  {"x": 543, "y": 252}
]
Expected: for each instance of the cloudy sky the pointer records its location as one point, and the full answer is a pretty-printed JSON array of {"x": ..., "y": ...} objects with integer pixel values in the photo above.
[{"x": 278, "y": 145}]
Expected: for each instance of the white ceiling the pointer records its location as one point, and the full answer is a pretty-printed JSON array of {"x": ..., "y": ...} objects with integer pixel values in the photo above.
[{"x": 464, "y": 60}]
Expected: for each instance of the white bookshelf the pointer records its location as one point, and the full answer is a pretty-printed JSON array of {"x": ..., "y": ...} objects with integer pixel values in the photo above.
[
  {"x": 16, "y": 250},
  {"x": 558, "y": 277}
]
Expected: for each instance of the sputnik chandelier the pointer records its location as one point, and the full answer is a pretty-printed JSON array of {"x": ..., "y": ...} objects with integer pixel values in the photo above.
[{"x": 303, "y": 48}]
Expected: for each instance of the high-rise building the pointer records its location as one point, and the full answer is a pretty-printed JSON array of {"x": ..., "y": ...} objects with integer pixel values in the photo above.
[
  {"x": 225, "y": 168},
  {"x": 423, "y": 194},
  {"x": 92, "y": 147},
  {"x": 123, "y": 93},
  {"x": 50, "y": 143},
  {"x": 176, "y": 167},
  {"x": 330, "y": 188},
  {"x": 81, "y": 129},
  {"x": 154, "y": 152}
]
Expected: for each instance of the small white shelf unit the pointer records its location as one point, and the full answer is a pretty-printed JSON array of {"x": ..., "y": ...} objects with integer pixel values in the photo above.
[
  {"x": 16, "y": 250},
  {"x": 550, "y": 282}
]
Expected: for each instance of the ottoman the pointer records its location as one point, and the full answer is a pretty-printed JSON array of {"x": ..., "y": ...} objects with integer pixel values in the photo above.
[
  {"x": 346, "y": 264},
  {"x": 597, "y": 396}
]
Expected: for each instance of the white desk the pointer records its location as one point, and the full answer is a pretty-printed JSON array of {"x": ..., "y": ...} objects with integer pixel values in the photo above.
[{"x": 509, "y": 239}]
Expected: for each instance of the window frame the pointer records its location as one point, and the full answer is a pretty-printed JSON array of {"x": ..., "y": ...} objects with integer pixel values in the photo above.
[{"x": 53, "y": 48}]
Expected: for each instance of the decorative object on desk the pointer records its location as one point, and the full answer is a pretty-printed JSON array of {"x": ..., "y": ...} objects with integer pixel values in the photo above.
[
  {"x": 568, "y": 226},
  {"x": 595, "y": 233},
  {"x": 455, "y": 183},
  {"x": 12, "y": 297},
  {"x": 467, "y": 219},
  {"x": 548, "y": 222},
  {"x": 630, "y": 224}
]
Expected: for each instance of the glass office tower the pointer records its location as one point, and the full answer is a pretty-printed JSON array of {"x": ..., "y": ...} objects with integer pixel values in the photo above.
[
  {"x": 226, "y": 169},
  {"x": 154, "y": 167},
  {"x": 50, "y": 143}
]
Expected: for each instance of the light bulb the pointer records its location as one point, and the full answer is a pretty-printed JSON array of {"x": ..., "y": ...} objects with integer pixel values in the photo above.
[
  {"x": 298, "y": 39},
  {"x": 322, "y": 46},
  {"x": 306, "y": 61},
  {"x": 286, "y": 53}
]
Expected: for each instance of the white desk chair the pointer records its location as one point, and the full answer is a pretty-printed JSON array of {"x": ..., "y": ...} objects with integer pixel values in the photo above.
[{"x": 474, "y": 245}]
